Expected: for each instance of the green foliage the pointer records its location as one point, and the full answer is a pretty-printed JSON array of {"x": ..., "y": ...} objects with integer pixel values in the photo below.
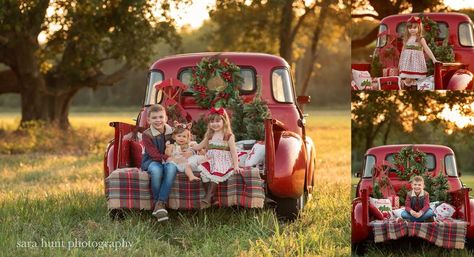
[
  {"x": 443, "y": 53},
  {"x": 237, "y": 120},
  {"x": 199, "y": 128},
  {"x": 376, "y": 67},
  {"x": 376, "y": 193},
  {"x": 248, "y": 118},
  {"x": 440, "y": 189},
  {"x": 255, "y": 114},
  {"x": 402, "y": 194}
]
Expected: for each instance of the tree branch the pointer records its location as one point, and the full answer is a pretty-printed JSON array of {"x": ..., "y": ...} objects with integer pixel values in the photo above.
[
  {"x": 102, "y": 79},
  {"x": 363, "y": 15},
  {"x": 367, "y": 39},
  {"x": 36, "y": 17},
  {"x": 9, "y": 82},
  {"x": 294, "y": 31}
]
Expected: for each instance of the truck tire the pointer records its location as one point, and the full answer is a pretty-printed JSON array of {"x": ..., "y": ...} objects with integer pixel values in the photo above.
[
  {"x": 360, "y": 249},
  {"x": 288, "y": 208},
  {"x": 470, "y": 245},
  {"x": 117, "y": 214}
]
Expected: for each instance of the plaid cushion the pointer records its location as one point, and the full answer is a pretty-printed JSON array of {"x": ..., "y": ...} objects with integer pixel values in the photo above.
[
  {"x": 244, "y": 189},
  {"x": 129, "y": 188},
  {"x": 444, "y": 234}
]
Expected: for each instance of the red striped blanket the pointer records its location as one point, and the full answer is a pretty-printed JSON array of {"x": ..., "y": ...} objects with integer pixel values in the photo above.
[
  {"x": 129, "y": 188},
  {"x": 449, "y": 235}
]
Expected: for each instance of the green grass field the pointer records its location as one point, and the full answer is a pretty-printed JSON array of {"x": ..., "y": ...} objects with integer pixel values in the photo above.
[{"x": 54, "y": 205}]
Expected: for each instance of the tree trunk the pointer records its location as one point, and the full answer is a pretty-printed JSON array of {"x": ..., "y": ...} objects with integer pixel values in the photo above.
[
  {"x": 313, "y": 50},
  {"x": 286, "y": 21},
  {"x": 51, "y": 109}
]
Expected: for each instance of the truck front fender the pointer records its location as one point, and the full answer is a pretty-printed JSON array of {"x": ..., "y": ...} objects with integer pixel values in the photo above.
[{"x": 286, "y": 160}]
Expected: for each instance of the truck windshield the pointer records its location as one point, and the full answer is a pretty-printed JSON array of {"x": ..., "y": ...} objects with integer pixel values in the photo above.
[
  {"x": 282, "y": 88},
  {"x": 443, "y": 30},
  {"x": 466, "y": 34},
  {"x": 382, "y": 40},
  {"x": 450, "y": 164},
  {"x": 369, "y": 165},
  {"x": 247, "y": 74},
  {"x": 430, "y": 161},
  {"x": 153, "y": 97}
]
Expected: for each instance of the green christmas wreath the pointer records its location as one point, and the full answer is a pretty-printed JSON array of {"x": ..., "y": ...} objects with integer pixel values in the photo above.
[
  {"x": 409, "y": 162},
  {"x": 215, "y": 82}
]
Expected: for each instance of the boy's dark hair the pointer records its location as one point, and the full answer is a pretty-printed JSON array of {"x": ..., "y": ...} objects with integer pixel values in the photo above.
[{"x": 156, "y": 108}]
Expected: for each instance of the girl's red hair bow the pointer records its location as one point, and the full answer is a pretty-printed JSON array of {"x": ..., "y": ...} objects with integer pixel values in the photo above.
[
  {"x": 219, "y": 111},
  {"x": 414, "y": 19}
]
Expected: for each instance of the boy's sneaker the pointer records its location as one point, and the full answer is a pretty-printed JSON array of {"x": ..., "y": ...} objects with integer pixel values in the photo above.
[
  {"x": 162, "y": 216},
  {"x": 160, "y": 212}
]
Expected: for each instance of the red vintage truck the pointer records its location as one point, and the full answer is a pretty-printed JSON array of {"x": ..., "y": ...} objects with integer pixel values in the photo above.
[
  {"x": 439, "y": 160},
  {"x": 288, "y": 170},
  {"x": 456, "y": 28}
]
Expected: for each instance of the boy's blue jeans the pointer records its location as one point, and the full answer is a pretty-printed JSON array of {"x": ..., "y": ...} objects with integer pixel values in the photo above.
[
  {"x": 162, "y": 178},
  {"x": 428, "y": 214}
]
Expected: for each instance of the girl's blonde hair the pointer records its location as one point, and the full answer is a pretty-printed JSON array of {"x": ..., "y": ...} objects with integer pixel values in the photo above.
[
  {"x": 214, "y": 116},
  {"x": 419, "y": 34}
]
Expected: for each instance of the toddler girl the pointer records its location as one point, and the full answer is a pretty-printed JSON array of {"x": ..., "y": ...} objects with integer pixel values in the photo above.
[
  {"x": 180, "y": 151},
  {"x": 221, "y": 153},
  {"x": 412, "y": 63}
]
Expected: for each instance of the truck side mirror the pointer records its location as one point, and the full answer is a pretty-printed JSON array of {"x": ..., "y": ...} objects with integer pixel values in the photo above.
[
  {"x": 459, "y": 173},
  {"x": 357, "y": 174},
  {"x": 303, "y": 99}
]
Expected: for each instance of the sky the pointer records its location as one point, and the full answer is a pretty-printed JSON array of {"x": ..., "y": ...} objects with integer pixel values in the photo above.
[
  {"x": 195, "y": 14},
  {"x": 460, "y": 4}
]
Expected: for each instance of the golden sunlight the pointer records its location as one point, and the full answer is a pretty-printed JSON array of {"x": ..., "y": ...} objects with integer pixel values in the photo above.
[
  {"x": 459, "y": 4},
  {"x": 454, "y": 115}
]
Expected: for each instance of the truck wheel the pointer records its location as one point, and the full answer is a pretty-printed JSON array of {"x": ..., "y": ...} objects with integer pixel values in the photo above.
[
  {"x": 470, "y": 245},
  {"x": 289, "y": 208},
  {"x": 117, "y": 214},
  {"x": 360, "y": 249}
]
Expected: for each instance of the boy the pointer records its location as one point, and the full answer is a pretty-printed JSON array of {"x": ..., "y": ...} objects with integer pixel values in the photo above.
[
  {"x": 162, "y": 175},
  {"x": 417, "y": 202}
]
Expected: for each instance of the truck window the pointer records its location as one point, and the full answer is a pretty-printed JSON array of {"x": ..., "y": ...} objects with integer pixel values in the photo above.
[
  {"x": 430, "y": 161},
  {"x": 282, "y": 89},
  {"x": 382, "y": 40},
  {"x": 466, "y": 34},
  {"x": 443, "y": 30},
  {"x": 450, "y": 166},
  {"x": 152, "y": 97},
  {"x": 247, "y": 74},
  {"x": 369, "y": 165}
]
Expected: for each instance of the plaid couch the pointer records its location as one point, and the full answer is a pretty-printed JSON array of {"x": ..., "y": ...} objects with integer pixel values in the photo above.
[
  {"x": 129, "y": 188},
  {"x": 449, "y": 235}
]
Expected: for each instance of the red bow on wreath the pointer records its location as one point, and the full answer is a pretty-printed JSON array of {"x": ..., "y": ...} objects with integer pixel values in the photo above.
[
  {"x": 219, "y": 111},
  {"x": 414, "y": 19}
]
